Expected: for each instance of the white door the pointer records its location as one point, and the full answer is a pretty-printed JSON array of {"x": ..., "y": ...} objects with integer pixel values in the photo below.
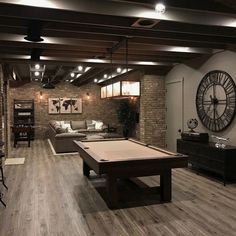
[{"x": 174, "y": 113}]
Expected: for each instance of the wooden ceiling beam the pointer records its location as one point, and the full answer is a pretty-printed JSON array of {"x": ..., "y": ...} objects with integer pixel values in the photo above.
[{"x": 70, "y": 9}]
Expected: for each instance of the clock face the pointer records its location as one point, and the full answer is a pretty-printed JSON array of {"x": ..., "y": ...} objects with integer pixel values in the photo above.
[{"x": 215, "y": 100}]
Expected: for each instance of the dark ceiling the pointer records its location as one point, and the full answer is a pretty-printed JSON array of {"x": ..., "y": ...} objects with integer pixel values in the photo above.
[{"x": 91, "y": 33}]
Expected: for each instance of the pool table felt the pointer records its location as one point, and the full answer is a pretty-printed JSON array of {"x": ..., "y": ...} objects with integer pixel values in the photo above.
[{"x": 123, "y": 150}]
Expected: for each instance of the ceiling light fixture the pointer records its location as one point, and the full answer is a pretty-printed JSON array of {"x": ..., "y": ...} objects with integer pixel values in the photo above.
[
  {"x": 37, "y": 66},
  {"x": 72, "y": 74},
  {"x": 36, "y": 73},
  {"x": 105, "y": 76},
  {"x": 95, "y": 80},
  {"x": 121, "y": 89},
  {"x": 160, "y": 8},
  {"x": 80, "y": 68},
  {"x": 118, "y": 70}
]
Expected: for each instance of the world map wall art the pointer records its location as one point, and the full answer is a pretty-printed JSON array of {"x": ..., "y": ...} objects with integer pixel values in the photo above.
[{"x": 64, "y": 105}]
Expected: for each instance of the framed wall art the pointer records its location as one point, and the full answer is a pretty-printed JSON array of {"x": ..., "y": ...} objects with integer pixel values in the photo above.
[
  {"x": 54, "y": 105},
  {"x": 76, "y": 105},
  {"x": 64, "y": 105}
]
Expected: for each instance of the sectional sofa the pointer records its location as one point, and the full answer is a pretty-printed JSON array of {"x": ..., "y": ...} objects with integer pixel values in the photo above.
[{"x": 62, "y": 133}]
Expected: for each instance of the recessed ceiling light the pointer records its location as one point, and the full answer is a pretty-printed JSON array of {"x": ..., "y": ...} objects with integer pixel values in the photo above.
[
  {"x": 80, "y": 68},
  {"x": 160, "y": 8},
  {"x": 105, "y": 76},
  {"x": 36, "y": 73},
  {"x": 37, "y": 66},
  {"x": 118, "y": 70},
  {"x": 78, "y": 75},
  {"x": 72, "y": 74},
  {"x": 95, "y": 80}
]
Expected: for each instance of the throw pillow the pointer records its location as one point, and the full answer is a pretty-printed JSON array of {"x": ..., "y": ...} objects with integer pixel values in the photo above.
[
  {"x": 67, "y": 126},
  {"x": 91, "y": 127},
  {"x": 98, "y": 124},
  {"x": 80, "y": 124},
  {"x": 61, "y": 130}
]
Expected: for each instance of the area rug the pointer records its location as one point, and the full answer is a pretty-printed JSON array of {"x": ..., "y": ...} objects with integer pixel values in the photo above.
[
  {"x": 60, "y": 154},
  {"x": 14, "y": 161}
]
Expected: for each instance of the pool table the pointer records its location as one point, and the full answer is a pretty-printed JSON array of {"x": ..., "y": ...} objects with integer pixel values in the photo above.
[{"x": 127, "y": 158}]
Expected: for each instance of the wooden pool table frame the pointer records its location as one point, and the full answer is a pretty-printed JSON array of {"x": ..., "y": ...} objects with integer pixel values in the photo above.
[{"x": 131, "y": 168}]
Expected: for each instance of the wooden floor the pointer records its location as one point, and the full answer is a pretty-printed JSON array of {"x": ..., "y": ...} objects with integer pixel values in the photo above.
[{"x": 48, "y": 195}]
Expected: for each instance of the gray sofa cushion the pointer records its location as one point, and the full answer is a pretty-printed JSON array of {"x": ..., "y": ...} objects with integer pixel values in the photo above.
[
  {"x": 89, "y": 122},
  {"x": 70, "y": 135},
  {"x": 60, "y": 130},
  {"x": 81, "y": 130},
  {"x": 80, "y": 124}
]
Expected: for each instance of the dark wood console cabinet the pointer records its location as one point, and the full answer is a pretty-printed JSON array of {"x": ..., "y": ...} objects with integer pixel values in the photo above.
[{"x": 208, "y": 157}]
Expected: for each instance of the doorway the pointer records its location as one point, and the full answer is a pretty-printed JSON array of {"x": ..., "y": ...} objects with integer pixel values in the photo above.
[{"x": 174, "y": 112}]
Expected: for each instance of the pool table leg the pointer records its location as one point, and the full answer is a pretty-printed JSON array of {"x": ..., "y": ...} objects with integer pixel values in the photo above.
[
  {"x": 112, "y": 191},
  {"x": 86, "y": 169},
  {"x": 165, "y": 184}
]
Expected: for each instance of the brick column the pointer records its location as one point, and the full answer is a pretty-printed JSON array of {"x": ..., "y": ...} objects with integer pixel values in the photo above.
[
  {"x": 152, "y": 110},
  {"x": 1, "y": 98}
]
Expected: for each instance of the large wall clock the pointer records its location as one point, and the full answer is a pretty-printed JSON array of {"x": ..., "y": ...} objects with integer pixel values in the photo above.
[{"x": 215, "y": 100}]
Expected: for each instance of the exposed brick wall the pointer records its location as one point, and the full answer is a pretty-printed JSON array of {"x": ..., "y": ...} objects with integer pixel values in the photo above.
[
  {"x": 152, "y": 110},
  {"x": 1, "y": 98},
  {"x": 95, "y": 108},
  {"x": 151, "y": 106}
]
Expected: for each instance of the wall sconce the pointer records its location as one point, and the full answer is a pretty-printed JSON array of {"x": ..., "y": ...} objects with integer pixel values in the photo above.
[
  {"x": 40, "y": 95},
  {"x": 88, "y": 96}
]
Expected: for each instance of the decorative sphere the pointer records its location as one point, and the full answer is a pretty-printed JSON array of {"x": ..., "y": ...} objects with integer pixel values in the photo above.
[{"x": 192, "y": 123}]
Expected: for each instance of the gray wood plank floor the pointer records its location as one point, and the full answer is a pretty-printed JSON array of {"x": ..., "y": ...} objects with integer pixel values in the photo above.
[{"x": 48, "y": 195}]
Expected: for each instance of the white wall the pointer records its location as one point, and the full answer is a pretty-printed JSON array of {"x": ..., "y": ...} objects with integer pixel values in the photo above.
[{"x": 193, "y": 72}]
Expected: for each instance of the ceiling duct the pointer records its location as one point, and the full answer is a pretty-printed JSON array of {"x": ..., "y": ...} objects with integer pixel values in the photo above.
[
  {"x": 36, "y": 53},
  {"x": 34, "y": 32}
]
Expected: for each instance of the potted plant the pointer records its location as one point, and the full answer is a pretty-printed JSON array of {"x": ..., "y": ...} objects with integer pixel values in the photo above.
[{"x": 126, "y": 116}]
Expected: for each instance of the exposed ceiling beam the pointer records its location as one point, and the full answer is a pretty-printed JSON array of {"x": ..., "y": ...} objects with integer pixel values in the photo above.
[{"x": 59, "y": 11}]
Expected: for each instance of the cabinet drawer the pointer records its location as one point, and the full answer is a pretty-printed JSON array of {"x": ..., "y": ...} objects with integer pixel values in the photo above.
[
  {"x": 207, "y": 163},
  {"x": 211, "y": 153},
  {"x": 187, "y": 149}
]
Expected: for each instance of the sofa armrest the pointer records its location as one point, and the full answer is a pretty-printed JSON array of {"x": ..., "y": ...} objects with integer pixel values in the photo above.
[{"x": 69, "y": 135}]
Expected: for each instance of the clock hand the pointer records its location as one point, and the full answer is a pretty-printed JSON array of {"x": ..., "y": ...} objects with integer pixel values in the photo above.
[
  {"x": 207, "y": 102},
  {"x": 208, "y": 109},
  {"x": 222, "y": 102},
  {"x": 214, "y": 90}
]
